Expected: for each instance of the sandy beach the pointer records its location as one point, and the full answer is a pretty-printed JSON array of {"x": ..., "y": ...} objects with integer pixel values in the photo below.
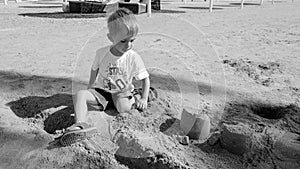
[{"x": 240, "y": 67}]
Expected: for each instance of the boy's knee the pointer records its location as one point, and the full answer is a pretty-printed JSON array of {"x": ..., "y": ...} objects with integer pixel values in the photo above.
[{"x": 82, "y": 94}]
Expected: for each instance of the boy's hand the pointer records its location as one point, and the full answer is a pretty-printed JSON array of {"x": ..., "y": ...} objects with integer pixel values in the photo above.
[{"x": 142, "y": 104}]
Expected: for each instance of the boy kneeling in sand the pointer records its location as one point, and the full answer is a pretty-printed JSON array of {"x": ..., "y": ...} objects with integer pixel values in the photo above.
[{"x": 111, "y": 76}]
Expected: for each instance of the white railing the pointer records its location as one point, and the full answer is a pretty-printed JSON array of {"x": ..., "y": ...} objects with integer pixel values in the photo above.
[
  {"x": 211, "y": 2},
  {"x": 6, "y": 1}
]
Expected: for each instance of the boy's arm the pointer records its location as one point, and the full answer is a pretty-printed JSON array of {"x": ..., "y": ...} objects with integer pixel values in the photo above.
[
  {"x": 146, "y": 87},
  {"x": 92, "y": 77},
  {"x": 143, "y": 102}
]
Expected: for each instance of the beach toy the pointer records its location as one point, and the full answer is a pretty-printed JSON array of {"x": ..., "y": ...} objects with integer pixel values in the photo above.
[
  {"x": 136, "y": 6},
  {"x": 91, "y": 6},
  {"x": 196, "y": 126}
]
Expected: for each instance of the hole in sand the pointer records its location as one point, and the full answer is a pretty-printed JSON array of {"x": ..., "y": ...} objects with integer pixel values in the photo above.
[
  {"x": 269, "y": 112},
  {"x": 281, "y": 116},
  {"x": 244, "y": 111},
  {"x": 49, "y": 113},
  {"x": 59, "y": 120},
  {"x": 167, "y": 124}
]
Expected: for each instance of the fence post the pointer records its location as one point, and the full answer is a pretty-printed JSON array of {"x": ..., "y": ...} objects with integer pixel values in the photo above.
[
  {"x": 149, "y": 8},
  {"x": 261, "y": 2},
  {"x": 242, "y": 4},
  {"x": 210, "y": 5}
]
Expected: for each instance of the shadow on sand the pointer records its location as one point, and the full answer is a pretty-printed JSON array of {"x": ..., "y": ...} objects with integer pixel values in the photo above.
[
  {"x": 48, "y": 3},
  {"x": 63, "y": 15},
  {"x": 45, "y": 101},
  {"x": 54, "y": 111},
  {"x": 200, "y": 7},
  {"x": 168, "y": 11},
  {"x": 245, "y": 4},
  {"x": 48, "y": 6}
]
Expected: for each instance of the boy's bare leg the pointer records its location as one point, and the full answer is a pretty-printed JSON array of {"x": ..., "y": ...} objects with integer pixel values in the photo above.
[
  {"x": 82, "y": 98},
  {"x": 80, "y": 130}
]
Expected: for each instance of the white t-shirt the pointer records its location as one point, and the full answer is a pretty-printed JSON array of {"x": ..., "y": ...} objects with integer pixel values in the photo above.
[{"x": 117, "y": 72}]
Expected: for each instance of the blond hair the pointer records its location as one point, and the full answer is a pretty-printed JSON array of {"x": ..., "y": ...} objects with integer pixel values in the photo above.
[{"x": 122, "y": 18}]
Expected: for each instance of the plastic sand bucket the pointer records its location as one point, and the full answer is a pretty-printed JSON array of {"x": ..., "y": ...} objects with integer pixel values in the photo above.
[{"x": 196, "y": 126}]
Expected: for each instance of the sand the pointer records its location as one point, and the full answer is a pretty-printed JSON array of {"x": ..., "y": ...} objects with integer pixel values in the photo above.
[{"x": 240, "y": 67}]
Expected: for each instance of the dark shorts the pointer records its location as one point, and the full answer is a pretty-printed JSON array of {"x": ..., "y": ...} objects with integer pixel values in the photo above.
[{"x": 109, "y": 100}]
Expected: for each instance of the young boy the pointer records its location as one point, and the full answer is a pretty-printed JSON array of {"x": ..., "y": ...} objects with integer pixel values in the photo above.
[{"x": 111, "y": 75}]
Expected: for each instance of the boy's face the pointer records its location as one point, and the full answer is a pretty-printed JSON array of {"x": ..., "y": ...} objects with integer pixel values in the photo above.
[
  {"x": 125, "y": 44},
  {"x": 121, "y": 41}
]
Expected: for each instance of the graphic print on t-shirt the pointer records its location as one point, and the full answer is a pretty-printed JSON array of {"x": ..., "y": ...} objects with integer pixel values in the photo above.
[{"x": 115, "y": 79}]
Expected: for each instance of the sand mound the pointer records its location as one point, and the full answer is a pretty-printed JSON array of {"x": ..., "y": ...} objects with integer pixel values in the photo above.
[{"x": 255, "y": 131}]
